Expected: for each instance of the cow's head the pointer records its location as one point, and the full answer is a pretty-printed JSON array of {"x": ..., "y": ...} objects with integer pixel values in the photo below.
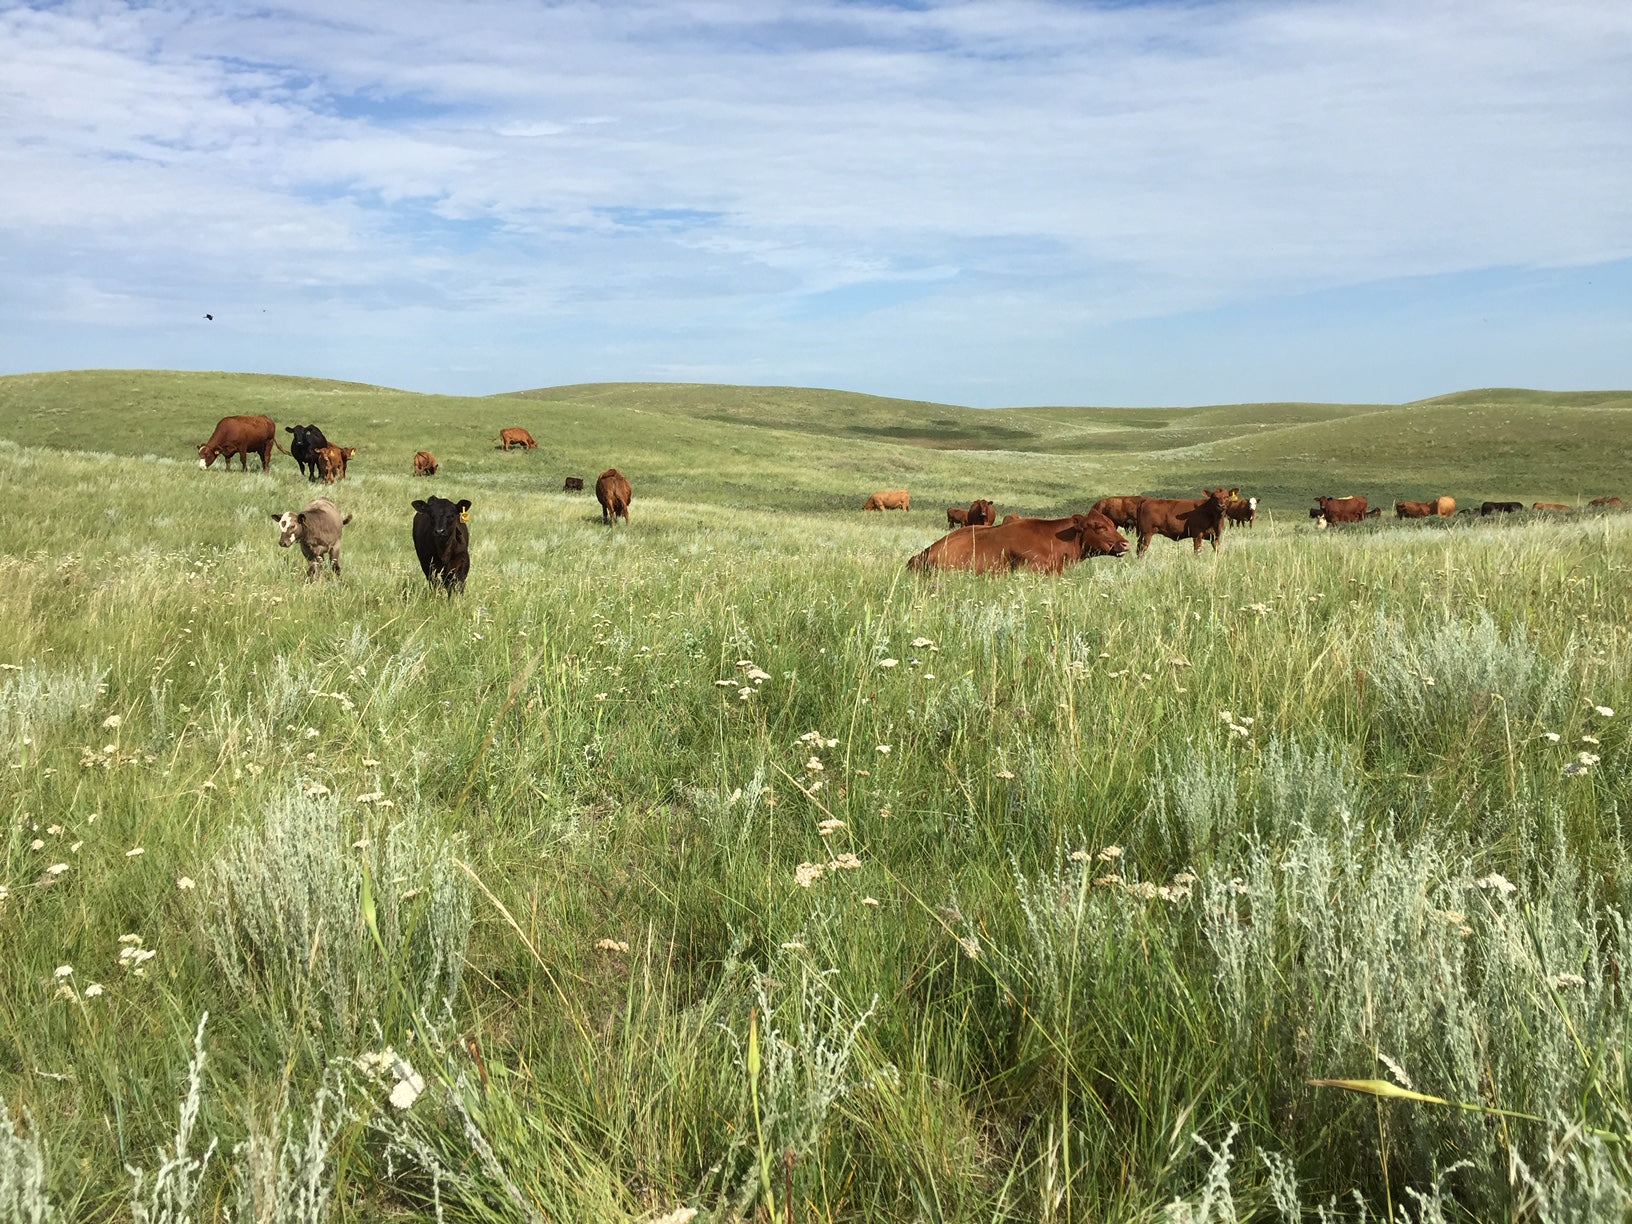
[
  {"x": 1219, "y": 497},
  {"x": 1097, "y": 535},
  {"x": 291, "y": 524},
  {"x": 206, "y": 455},
  {"x": 443, "y": 515}
]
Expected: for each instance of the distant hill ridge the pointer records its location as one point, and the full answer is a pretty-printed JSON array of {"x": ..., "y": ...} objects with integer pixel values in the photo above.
[{"x": 815, "y": 448}]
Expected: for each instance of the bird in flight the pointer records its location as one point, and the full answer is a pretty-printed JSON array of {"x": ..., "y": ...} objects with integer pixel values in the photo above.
[{"x": 210, "y": 317}]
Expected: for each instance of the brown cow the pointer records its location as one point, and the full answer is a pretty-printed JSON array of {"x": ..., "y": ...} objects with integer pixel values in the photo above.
[
  {"x": 575, "y": 484},
  {"x": 889, "y": 499},
  {"x": 1339, "y": 509},
  {"x": 1241, "y": 510},
  {"x": 1044, "y": 546},
  {"x": 424, "y": 464},
  {"x": 613, "y": 492},
  {"x": 1194, "y": 519},
  {"x": 1444, "y": 506},
  {"x": 242, "y": 436},
  {"x": 331, "y": 461},
  {"x": 957, "y": 516},
  {"x": 1605, "y": 502},
  {"x": 1123, "y": 511},
  {"x": 981, "y": 513},
  {"x": 1410, "y": 509},
  {"x": 509, "y": 438},
  {"x": 1557, "y": 506}
]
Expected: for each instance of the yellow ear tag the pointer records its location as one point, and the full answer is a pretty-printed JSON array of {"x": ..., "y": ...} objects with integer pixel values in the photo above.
[{"x": 464, "y": 516}]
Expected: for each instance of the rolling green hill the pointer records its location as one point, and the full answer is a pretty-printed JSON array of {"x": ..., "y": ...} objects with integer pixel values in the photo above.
[{"x": 817, "y": 450}]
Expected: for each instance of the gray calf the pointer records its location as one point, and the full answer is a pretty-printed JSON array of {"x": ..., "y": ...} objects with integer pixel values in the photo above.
[{"x": 317, "y": 528}]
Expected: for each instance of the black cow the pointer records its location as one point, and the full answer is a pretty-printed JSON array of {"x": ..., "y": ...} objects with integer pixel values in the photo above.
[
  {"x": 303, "y": 447},
  {"x": 1489, "y": 508},
  {"x": 442, "y": 541},
  {"x": 575, "y": 484}
]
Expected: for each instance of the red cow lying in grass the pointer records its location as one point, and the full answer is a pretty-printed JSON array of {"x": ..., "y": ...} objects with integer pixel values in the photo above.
[
  {"x": 1045, "y": 546},
  {"x": 1194, "y": 519}
]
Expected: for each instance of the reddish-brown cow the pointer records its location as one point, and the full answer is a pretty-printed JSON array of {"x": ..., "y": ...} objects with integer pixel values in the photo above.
[
  {"x": 1605, "y": 502},
  {"x": 1241, "y": 510},
  {"x": 242, "y": 436},
  {"x": 1045, "y": 546},
  {"x": 1339, "y": 509},
  {"x": 516, "y": 437},
  {"x": 613, "y": 492},
  {"x": 1194, "y": 519},
  {"x": 1411, "y": 509},
  {"x": 331, "y": 461},
  {"x": 889, "y": 499},
  {"x": 1123, "y": 511},
  {"x": 424, "y": 463}
]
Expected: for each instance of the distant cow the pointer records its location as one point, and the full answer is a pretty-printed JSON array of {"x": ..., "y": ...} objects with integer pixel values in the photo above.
[
  {"x": 424, "y": 463},
  {"x": 1489, "y": 508},
  {"x": 304, "y": 443},
  {"x": 1551, "y": 506},
  {"x": 242, "y": 436},
  {"x": 1339, "y": 509},
  {"x": 981, "y": 513},
  {"x": 614, "y": 494},
  {"x": 1123, "y": 511},
  {"x": 1444, "y": 506},
  {"x": 1044, "y": 546},
  {"x": 1605, "y": 502},
  {"x": 1194, "y": 519},
  {"x": 1241, "y": 510},
  {"x": 332, "y": 460},
  {"x": 1411, "y": 509},
  {"x": 575, "y": 484},
  {"x": 317, "y": 530},
  {"x": 509, "y": 438},
  {"x": 442, "y": 541},
  {"x": 888, "y": 499}
]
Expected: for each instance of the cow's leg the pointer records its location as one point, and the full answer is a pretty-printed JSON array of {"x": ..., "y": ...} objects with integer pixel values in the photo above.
[
  {"x": 334, "y": 559},
  {"x": 1144, "y": 543}
]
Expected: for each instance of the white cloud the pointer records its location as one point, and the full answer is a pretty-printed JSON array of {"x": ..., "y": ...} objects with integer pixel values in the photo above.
[{"x": 1005, "y": 167}]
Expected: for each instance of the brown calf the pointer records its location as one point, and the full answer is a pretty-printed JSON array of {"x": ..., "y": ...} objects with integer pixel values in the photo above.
[
  {"x": 516, "y": 437},
  {"x": 1194, "y": 519},
  {"x": 424, "y": 464},
  {"x": 889, "y": 499}
]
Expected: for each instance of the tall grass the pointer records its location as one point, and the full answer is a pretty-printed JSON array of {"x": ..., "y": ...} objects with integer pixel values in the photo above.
[{"x": 1033, "y": 899}]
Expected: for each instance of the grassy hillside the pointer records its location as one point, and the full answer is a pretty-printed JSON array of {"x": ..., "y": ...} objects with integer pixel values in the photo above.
[
  {"x": 795, "y": 448},
  {"x": 717, "y": 859}
]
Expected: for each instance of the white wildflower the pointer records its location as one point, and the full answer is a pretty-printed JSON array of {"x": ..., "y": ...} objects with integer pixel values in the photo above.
[
  {"x": 1110, "y": 854},
  {"x": 408, "y": 1087},
  {"x": 793, "y": 945},
  {"x": 830, "y": 825},
  {"x": 807, "y": 874},
  {"x": 1564, "y": 981},
  {"x": 744, "y": 693},
  {"x": 889, "y": 662},
  {"x": 54, "y": 830},
  {"x": 185, "y": 883},
  {"x": 970, "y": 946},
  {"x": 814, "y": 765},
  {"x": 845, "y": 862},
  {"x": 1589, "y": 739},
  {"x": 135, "y": 852},
  {"x": 725, "y": 684},
  {"x": 680, "y": 1215},
  {"x": 869, "y": 900},
  {"x": 370, "y": 797},
  {"x": 1552, "y": 737},
  {"x": 93, "y": 990},
  {"x": 1397, "y": 1071},
  {"x": 112, "y": 722},
  {"x": 1005, "y": 775},
  {"x": 37, "y": 844},
  {"x": 1499, "y": 882},
  {"x": 611, "y": 945},
  {"x": 56, "y": 869},
  {"x": 131, "y": 941},
  {"x": 62, "y": 971},
  {"x": 1080, "y": 856},
  {"x": 1588, "y": 758},
  {"x": 920, "y": 642},
  {"x": 883, "y": 750},
  {"x": 1603, "y": 711},
  {"x": 316, "y": 790}
]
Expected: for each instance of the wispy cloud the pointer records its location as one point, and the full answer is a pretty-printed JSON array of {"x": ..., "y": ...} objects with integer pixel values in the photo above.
[{"x": 965, "y": 200}]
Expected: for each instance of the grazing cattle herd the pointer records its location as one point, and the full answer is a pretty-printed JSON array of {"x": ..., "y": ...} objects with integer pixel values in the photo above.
[{"x": 976, "y": 542}]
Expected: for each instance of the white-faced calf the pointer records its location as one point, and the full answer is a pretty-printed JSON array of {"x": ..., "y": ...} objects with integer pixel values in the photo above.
[{"x": 317, "y": 530}]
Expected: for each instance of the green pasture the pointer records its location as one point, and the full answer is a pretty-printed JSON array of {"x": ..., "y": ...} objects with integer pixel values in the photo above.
[{"x": 719, "y": 864}]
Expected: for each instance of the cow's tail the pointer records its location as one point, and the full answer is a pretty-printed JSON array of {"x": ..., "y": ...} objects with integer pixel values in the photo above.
[{"x": 278, "y": 444}]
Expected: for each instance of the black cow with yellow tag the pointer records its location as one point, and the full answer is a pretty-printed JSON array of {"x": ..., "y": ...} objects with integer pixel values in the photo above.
[{"x": 442, "y": 541}]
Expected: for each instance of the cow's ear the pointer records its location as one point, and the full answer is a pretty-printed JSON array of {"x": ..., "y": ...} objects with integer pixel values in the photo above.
[
  {"x": 301, "y": 518},
  {"x": 277, "y": 518},
  {"x": 420, "y": 505},
  {"x": 464, "y": 505}
]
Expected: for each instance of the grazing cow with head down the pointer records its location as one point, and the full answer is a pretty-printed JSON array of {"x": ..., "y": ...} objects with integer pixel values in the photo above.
[
  {"x": 1123, "y": 511},
  {"x": 516, "y": 437},
  {"x": 1044, "y": 546},
  {"x": 304, "y": 443},
  {"x": 442, "y": 541},
  {"x": 888, "y": 499},
  {"x": 317, "y": 530},
  {"x": 1489, "y": 508},
  {"x": 1415, "y": 510},
  {"x": 242, "y": 436},
  {"x": 1339, "y": 509},
  {"x": 332, "y": 460},
  {"x": 1194, "y": 519},
  {"x": 424, "y": 463},
  {"x": 1444, "y": 506},
  {"x": 613, "y": 492},
  {"x": 1604, "y": 502}
]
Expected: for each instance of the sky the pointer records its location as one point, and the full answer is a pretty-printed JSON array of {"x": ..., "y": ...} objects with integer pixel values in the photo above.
[{"x": 985, "y": 202}]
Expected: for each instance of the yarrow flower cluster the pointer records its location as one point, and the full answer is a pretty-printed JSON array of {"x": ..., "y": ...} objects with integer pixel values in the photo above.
[{"x": 1238, "y": 724}]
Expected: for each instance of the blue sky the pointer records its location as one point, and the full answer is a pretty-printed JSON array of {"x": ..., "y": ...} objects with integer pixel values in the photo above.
[{"x": 986, "y": 202}]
